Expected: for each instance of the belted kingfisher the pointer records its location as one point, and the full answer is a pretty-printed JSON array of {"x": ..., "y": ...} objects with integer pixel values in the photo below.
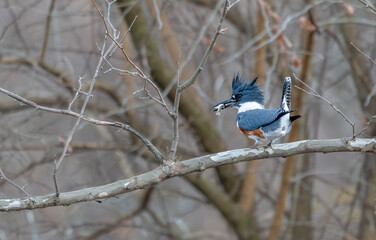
[{"x": 253, "y": 120}]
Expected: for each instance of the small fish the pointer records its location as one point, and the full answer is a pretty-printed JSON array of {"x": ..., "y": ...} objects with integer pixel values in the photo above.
[{"x": 218, "y": 109}]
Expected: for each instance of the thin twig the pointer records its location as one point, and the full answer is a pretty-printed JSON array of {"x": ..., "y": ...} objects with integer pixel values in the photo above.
[
  {"x": 158, "y": 14},
  {"x": 142, "y": 74},
  {"x": 116, "y": 33},
  {"x": 201, "y": 34},
  {"x": 367, "y": 125},
  {"x": 54, "y": 176},
  {"x": 370, "y": 96},
  {"x": 230, "y": 5},
  {"x": 119, "y": 125},
  {"x": 122, "y": 38},
  {"x": 46, "y": 31},
  {"x": 368, "y": 6},
  {"x": 33, "y": 62},
  {"x": 249, "y": 46},
  {"x": 2, "y": 175},
  {"x": 69, "y": 138},
  {"x": 182, "y": 87},
  {"x": 78, "y": 92},
  {"x": 352, "y": 44},
  {"x": 200, "y": 67},
  {"x": 267, "y": 26},
  {"x": 316, "y": 94},
  {"x": 16, "y": 25},
  {"x": 175, "y": 139}
]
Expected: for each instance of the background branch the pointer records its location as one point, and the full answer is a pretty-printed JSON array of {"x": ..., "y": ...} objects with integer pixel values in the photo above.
[
  {"x": 46, "y": 31},
  {"x": 68, "y": 112},
  {"x": 316, "y": 94},
  {"x": 2, "y": 176},
  {"x": 162, "y": 172}
]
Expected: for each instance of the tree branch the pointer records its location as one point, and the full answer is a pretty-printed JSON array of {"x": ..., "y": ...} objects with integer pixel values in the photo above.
[
  {"x": 368, "y": 6},
  {"x": 202, "y": 163},
  {"x": 32, "y": 62},
  {"x": 316, "y": 94},
  {"x": 200, "y": 67},
  {"x": 46, "y": 31},
  {"x": 141, "y": 74},
  {"x": 119, "y": 125},
  {"x": 2, "y": 176},
  {"x": 373, "y": 61},
  {"x": 250, "y": 45}
]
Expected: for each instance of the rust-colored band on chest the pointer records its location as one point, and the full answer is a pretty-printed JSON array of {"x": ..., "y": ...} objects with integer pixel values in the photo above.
[{"x": 257, "y": 132}]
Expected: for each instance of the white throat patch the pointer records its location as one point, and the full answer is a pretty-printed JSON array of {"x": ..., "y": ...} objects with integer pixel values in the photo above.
[{"x": 249, "y": 106}]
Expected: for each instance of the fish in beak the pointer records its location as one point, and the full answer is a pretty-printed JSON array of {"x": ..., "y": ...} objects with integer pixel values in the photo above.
[{"x": 222, "y": 105}]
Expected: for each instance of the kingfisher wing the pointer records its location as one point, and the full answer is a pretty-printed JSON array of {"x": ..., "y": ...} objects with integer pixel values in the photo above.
[{"x": 254, "y": 119}]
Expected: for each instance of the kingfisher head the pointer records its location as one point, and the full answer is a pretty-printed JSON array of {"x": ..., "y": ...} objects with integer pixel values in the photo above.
[{"x": 245, "y": 96}]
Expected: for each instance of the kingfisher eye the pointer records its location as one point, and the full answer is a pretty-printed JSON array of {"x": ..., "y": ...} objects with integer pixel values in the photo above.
[{"x": 237, "y": 96}]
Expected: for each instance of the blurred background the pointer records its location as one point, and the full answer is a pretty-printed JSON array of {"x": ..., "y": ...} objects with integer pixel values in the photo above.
[{"x": 46, "y": 46}]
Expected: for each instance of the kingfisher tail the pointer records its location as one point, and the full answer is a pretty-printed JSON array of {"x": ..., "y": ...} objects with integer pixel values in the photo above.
[
  {"x": 293, "y": 118},
  {"x": 286, "y": 95}
]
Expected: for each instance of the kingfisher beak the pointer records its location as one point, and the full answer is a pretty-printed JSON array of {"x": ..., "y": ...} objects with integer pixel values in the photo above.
[{"x": 222, "y": 105}]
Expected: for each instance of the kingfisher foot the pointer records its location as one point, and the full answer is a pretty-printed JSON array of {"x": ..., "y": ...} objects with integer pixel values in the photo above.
[{"x": 268, "y": 145}]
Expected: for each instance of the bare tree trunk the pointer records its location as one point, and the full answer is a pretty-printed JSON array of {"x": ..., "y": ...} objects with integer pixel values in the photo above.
[
  {"x": 364, "y": 84},
  {"x": 302, "y": 196},
  {"x": 296, "y": 133}
]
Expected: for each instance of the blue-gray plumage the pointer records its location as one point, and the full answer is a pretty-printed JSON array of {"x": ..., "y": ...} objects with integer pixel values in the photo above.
[{"x": 253, "y": 120}]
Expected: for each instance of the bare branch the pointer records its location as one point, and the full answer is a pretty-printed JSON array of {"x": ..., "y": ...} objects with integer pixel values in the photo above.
[
  {"x": 142, "y": 74},
  {"x": 200, "y": 67},
  {"x": 81, "y": 114},
  {"x": 230, "y": 5},
  {"x": 373, "y": 118},
  {"x": 368, "y": 6},
  {"x": 175, "y": 140},
  {"x": 158, "y": 14},
  {"x": 189, "y": 82},
  {"x": 202, "y": 163},
  {"x": 316, "y": 94},
  {"x": 32, "y": 62},
  {"x": 370, "y": 96},
  {"x": 282, "y": 27},
  {"x": 46, "y": 31},
  {"x": 201, "y": 34},
  {"x": 17, "y": 27},
  {"x": 180, "y": 88},
  {"x": 2, "y": 175},
  {"x": 78, "y": 92},
  {"x": 352, "y": 44},
  {"x": 119, "y": 125}
]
